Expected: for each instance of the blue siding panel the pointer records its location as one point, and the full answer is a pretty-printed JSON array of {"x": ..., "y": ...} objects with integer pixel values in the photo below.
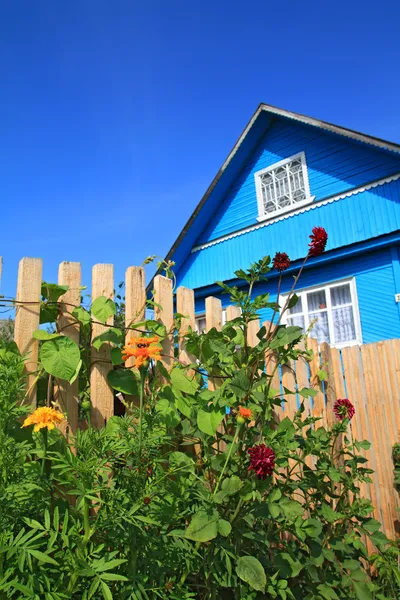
[
  {"x": 335, "y": 165},
  {"x": 350, "y": 220},
  {"x": 375, "y": 283}
]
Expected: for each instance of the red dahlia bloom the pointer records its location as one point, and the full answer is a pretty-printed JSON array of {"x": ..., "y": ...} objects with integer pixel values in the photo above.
[
  {"x": 262, "y": 460},
  {"x": 318, "y": 238},
  {"x": 343, "y": 409},
  {"x": 281, "y": 261}
]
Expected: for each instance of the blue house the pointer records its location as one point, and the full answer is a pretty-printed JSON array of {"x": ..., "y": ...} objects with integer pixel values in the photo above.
[{"x": 286, "y": 174}]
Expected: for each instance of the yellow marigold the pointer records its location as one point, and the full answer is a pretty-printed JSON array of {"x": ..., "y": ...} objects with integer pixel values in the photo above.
[
  {"x": 43, "y": 417},
  {"x": 143, "y": 349}
]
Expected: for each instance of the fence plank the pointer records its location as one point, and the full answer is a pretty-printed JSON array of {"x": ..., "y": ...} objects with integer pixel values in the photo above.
[
  {"x": 185, "y": 307},
  {"x": 232, "y": 312},
  {"x": 66, "y": 394},
  {"x": 289, "y": 382},
  {"x": 329, "y": 384},
  {"x": 102, "y": 396},
  {"x": 135, "y": 303},
  {"x": 27, "y": 318},
  {"x": 319, "y": 400},
  {"x": 163, "y": 296},
  {"x": 253, "y": 329},
  {"x": 213, "y": 319}
]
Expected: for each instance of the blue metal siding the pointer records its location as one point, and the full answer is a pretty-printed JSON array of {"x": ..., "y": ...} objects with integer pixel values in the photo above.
[
  {"x": 335, "y": 165},
  {"x": 350, "y": 220},
  {"x": 375, "y": 283}
]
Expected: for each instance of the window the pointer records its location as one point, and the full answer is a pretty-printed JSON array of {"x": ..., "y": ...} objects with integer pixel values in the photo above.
[
  {"x": 200, "y": 321},
  {"x": 283, "y": 187},
  {"x": 332, "y": 309}
]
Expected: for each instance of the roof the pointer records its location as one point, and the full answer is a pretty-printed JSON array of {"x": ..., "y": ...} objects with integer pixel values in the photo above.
[{"x": 275, "y": 112}]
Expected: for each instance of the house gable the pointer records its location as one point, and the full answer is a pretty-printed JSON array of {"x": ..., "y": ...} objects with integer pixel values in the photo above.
[{"x": 335, "y": 164}]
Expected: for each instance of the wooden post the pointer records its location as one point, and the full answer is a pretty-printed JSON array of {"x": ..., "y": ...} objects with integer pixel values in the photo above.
[
  {"x": 318, "y": 400},
  {"x": 213, "y": 319},
  {"x": 163, "y": 296},
  {"x": 330, "y": 391},
  {"x": 232, "y": 312},
  {"x": 69, "y": 273},
  {"x": 185, "y": 307},
  {"x": 27, "y": 318},
  {"x": 253, "y": 329},
  {"x": 102, "y": 396},
  {"x": 135, "y": 303}
]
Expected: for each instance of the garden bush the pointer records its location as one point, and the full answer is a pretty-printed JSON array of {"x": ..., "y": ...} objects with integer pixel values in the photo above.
[{"x": 198, "y": 491}]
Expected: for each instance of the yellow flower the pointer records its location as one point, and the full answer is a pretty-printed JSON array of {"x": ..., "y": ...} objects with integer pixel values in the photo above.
[{"x": 43, "y": 417}]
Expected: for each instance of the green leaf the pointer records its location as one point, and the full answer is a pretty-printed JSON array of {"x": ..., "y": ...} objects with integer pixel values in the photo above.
[
  {"x": 103, "y": 308},
  {"x": 52, "y": 291},
  {"x": 240, "y": 384},
  {"x": 312, "y": 527},
  {"x": 203, "y": 527},
  {"x": 124, "y": 381},
  {"x": 116, "y": 356},
  {"x": 306, "y": 392},
  {"x": 42, "y": 557},
  {"x": 372, "y": 525},
  {"x": 291, "y": 509},
  {"x": 41, "y": 334},
  {"x": 183, "y": 405},
  {"x": 81, "y": 315},
  {"x": 285, "y": 336},
  {"x": 182, "y": 382},
  {"x": 329, "y": 514},
  {"x": 75, "y": 375},
  {"x": 293, "y": 301},
  {"x": 168, "y": 413},
  {"x": 322, "y": 375},
  {"x": 364, "y": 444},
  {"x": 208, "y": 421},
  {"x": 327, "y": 592},
  {"x": 111, "y": 335},
  {"x": 362, "y": 591},
  {"x": 107, "y": 595},
  {"x": 288, "y": 567},
  {"x": 224, "y": 527},
  {"x": 250, "y": 570},
  {"x": 111, "y": 564},
  {"x": 180, "y": 459},
  {"x": 275, "y": 495},
  {"x": 232, "y": 485},
  {"x": 60, "y": 357}
]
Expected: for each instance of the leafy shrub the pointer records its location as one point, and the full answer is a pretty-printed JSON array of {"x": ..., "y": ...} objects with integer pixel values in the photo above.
[{"x": 197, "y": 491}]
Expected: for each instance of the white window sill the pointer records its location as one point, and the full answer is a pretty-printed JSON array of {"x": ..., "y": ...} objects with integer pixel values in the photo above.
[{"x": 289, "y": 209}]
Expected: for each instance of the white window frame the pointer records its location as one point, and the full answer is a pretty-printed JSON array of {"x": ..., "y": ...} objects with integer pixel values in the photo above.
[
  {"x": 327, "y": 286},
  {"x": 203, "y": 316},
  {"x": 262, "y": 216}
]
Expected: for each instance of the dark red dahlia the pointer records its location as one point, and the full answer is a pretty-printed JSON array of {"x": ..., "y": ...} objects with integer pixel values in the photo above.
[
  {"x": 147, "y": 500},
  {"x": 343, "y": 409},
  {"x": 281, "y": 261},
  {"x": 262, "y": 460},
  {"x": 318, "y": 238}
]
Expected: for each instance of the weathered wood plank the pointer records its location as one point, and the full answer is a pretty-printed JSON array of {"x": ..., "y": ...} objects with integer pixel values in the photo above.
[
  {"x": 27, "y": 319},
  {"x": 102, "y": 396},
  {"x": 67, "y": 394},
  {"x": 164, "y": 313},
  {"x": 185, "y": 307}
]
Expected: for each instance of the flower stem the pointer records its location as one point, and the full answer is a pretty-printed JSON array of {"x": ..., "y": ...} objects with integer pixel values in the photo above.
[
  {"x": 45, "y": 440},
  {"x": 86, "y": 522},
  {"x": 142, "y": 382},
  {"x": 227, "y": 459}
]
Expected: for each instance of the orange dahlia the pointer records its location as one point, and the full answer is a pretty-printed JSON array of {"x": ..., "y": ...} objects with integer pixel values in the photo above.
[
  {"x": 143, "y": 349},
  {"x": 43, "y": 417},
  {"x": 246, "y": 413}
]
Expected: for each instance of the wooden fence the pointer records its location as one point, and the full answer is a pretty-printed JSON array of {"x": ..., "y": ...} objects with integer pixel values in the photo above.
[{"x": 368, "y": 375}]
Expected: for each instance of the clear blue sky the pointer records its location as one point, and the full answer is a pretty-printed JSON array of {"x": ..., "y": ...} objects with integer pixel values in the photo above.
[{"x": 115, "y": 116}]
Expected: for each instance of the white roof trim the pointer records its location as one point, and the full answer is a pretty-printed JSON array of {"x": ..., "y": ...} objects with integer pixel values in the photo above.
[
  {"x": 352, "y": 192},
  {"x": 355, "y": 135}
]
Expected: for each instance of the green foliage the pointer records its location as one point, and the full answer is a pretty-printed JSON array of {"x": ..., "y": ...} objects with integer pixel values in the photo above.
[{"x": 161, "y": 503}]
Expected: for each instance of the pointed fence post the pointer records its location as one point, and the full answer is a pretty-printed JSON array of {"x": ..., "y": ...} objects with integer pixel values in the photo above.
[
  {"x": 102, "y": 396},
  {"x": 213, "y": 319},
  {"x": 67, "y": 394},
  {"x": 27, "y": 319},
  {"x": 185, "y": 307},
  {"x": 135, "y": 311},
  {"x": 164, "y": 313}
]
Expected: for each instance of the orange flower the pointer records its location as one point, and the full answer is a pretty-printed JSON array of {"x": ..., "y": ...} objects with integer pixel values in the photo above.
[
  {"x": 43, "y": 417},
  {"x": 143, "y": 349},
  {"x": 246, "y": 413}
]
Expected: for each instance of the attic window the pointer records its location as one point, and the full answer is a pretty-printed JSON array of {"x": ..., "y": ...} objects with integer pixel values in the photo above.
[{"x": 283, "y": 187}]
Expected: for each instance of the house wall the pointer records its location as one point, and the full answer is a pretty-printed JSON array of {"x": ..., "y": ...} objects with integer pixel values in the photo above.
[
  {"x": 376, "y": 283},
  {"x": 335, "y": 164}
]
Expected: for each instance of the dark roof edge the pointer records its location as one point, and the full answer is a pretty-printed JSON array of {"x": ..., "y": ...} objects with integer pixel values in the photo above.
[{"x": 356, "y": 135}]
